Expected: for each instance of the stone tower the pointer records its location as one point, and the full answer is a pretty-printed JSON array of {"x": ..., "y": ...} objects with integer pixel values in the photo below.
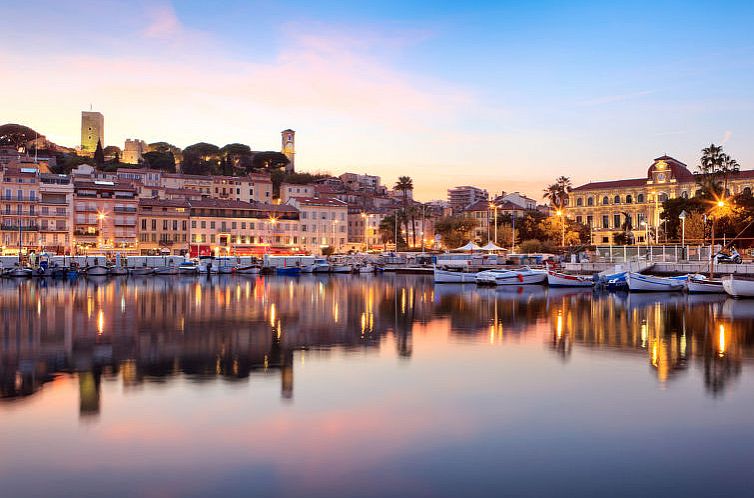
[
  {"x": 289, "y": 148},
  {"x": 92, "y": 131}
]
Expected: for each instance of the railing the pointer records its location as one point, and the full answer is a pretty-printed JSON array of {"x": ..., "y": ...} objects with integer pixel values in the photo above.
[
  {"x": 16, "y": 228},
  {"x": 86, "y": 233},
  {"x": 54, "y": 201},
  {"x": 18, "y": 199},
  {"x": 124, "y": 209},
  {"x": 654, "y": 253}
]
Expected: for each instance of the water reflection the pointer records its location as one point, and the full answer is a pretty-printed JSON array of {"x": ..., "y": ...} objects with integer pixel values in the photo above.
[{"x": 157, "y": 329}]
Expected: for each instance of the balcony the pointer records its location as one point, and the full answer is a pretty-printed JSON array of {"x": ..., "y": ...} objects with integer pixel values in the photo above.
[
  {"x": 16, "y": 228},
  {"x": 124, "y": 209},
  {"x": 86, "y": 233},
  {"x": 11, "y": 198},
  {"x": 59, "y": 202},
  {"x": 124, "y": 223}
]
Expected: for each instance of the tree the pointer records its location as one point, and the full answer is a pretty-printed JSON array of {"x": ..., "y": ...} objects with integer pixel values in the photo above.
[
  {"x": 405, "y": 185},
  {"x": 201, "y": 159},
  {"x": 530, "y": 246},
  {"x": 16, "y": 135},
  {"x": 557, "y": 193},
  {"x": 714, "y": 170},
  {"x": 387, "y": 231},
  {"x": 99, "y": 155},
  {"x": 269, "y": 160},
  {"x": 672, "y": 208},
  {"x": 164, "y": 161},
  {"x": 455, "y": 231}
]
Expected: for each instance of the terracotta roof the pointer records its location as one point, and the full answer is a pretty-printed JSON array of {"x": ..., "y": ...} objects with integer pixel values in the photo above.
[
  {"x": 221, "y": 203},
  {"x": 320, "y": 201},
  {"x": 478, "y": 206},
  {"x": 163, "y": 203},
  {"x": 509, "y": 206},
  {"x": 104, "y": 185}
]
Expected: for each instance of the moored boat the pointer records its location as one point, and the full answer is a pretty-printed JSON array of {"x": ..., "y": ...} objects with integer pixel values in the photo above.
[
  {"x": 118, "y": 271},
  {"x": 738, "y": 287},
  {"x": 341, "y": 268},
  {"x": 453, "y": 275},
  {"x": 698, "y": 284},
  {"x": 20, "y": 272},
  {"x": 638, "y": 282},
  {"x": 556, "y": 279},
  {"x": 248, "y": 269},
  {"x": 365, "y": 268},
  {"x": 141, "y": 270},
  {"x": 188, "y": 268},
  {"x": 96, "y": 270},
  {"x": 288, "y": 270},
  {"x": 166, "y": 270},
  {"x": 519, "y": 276}
]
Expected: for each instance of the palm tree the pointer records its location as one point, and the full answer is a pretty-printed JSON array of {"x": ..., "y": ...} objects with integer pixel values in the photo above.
[
  {"x": 405, "y": 185},
  {"x": 557, "y": 193},
  {"x": 714, "y": 170}
]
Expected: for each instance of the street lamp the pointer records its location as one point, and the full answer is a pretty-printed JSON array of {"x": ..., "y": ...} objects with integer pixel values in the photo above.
[
  {"x": 100, "y": 218},
  {"x": 494, "y": 207},
  {"x": 682, "y": 217},
  {"x": 719, "y": 205},
  {"x": 366, "y": 241},
  {"x": 562, "y": 227},
  {"x": 646, "y": 232}
]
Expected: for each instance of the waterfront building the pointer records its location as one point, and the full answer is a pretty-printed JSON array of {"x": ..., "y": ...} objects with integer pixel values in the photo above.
[
  {"x": 92, "y": 131},
  {"x": 364, "y": 228},
  {"x": 55, "y": 213},
  {"x": 229, "y": 227},
  {"x": 288, "y": 190},
  {"x": 133, "y": 151},
  {"x": 324, "y": 223},
  {"x": 163, "y": 226},
  {"x": 367, "y": 183},
  {"x": 606, "y": 206},
  {"x": 461, "y": 197},
  {"x": 19, "y": 203},
  {"x": 483, "y": 212},
  {"x": 105, "y": 216}
]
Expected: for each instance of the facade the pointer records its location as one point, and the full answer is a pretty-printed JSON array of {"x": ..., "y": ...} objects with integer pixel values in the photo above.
[
  {"x": 483, "y": 212},
  {"x": 19, "y": 205},
  {"x": 133, "y": 151},
  {"x": 461, "y": 197},
  {"x": 288, "y": 138},
  {"x": 288, "y": 190},
  {"x": 55, "y": 212},
  {"x": 355, "y": 181},
  {"x": 228, "y": 227},
  {"x": 324, "y": 223},
  {"x": 92, "y": 131},
  {"x": 518, "y": 199},
  {"x": 609, "y": 206},
  {"x": 163, "y": 226},
  {"x": 105, "y": 215}
]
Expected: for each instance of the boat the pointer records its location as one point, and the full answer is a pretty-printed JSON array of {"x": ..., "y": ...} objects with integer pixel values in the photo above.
[
  {"x": 365, "y": 268},
  {"x": 140, "y": 270},
  {"x": 96, "y": 270},
  {"x": 453, "y": 275},
  {"x": 188, "y": 268},
  {"x": 738, "y": 287},
  {"x": 288, "y": 270},
  {"x": 638, "y": 282},
  {"x": 166, "y": 270},
  {"x": 20, "y": 272},
  {"x": 248, "y": 269},
  {"x": 118, "y": 270},
  {"x": 320, "y": 265},
  {"x": 519, "y": 276},
  {"x": 556, "y": 279},
  {"x": 699, "y": 284},
  {"x": 341, "y": 268}
]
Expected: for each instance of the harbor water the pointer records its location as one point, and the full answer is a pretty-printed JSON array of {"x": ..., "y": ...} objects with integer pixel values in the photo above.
[{"x": 369, "y": 385}]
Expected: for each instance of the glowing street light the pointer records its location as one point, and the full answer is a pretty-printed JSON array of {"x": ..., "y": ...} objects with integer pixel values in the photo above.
[{"x": 559, "y": 213}]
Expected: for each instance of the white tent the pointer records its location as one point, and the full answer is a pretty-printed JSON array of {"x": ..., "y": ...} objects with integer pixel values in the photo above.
[
  {"x": 469, "y": 247},
  {"x": 492, "y": 247}
]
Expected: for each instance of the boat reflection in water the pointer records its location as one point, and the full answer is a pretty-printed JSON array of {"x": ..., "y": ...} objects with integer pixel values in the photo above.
[{"x": 144, "y": 330}]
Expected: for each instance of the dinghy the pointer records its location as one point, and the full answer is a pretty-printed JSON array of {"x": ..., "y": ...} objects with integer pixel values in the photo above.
[
  {"x": 446, "y": 275},
  {"x": 699, "y": 284},
  {"x": 638, "y": 282},
  {"x": 738, "y": 287},
  {"x": 555, "y": 279},
  {"x": 520, "y": 276}
]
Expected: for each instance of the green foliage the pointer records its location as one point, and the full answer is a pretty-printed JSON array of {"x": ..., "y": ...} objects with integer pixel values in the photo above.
[
  {"x": 164, "y": 161},
  {"x": 328, "y": 251},
  {"x": 714, "y": 170},
  {"x": 281, "y": 176},
  {"x": 530, "y": 246},
  {"x": 455, "y": 230},
  {"x": 557, "y": 193},
  {"x": 16, "y": 135},
  {"x": 201, "y": 159},
  {"x": 269, "y": 160},
  {"x": 99, "y": 155},
  {"x": 387, "y": 231}
]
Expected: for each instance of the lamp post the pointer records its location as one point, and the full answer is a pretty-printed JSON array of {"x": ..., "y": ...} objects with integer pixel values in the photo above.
[
  {"x": 494, "y": 207},
  {"x": 682, "y": 217},
  {"x": 100, "y": 218},
  {"x": 720, "y": 204},
  {"x": 366, "y": 242},
  {"x": 559, "y": 212}
]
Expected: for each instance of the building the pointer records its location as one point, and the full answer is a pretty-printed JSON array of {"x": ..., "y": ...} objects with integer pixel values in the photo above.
[
  {"x": 461, "y": 197},
  {"x": 92, "y": 131},
  {"x": 288, "y": 190},
  {"x": 288, "y": 138},
  {"x": 163, "y": 226},
  {"x": 229, "y": 227},
  {"x": 518, "y": 199},
  {"x": 19, "y": 208},
  {"x": 324, "y": 223},
  {"x": 104, "y": 216},
  {"x": 55, "y": 213},
  {"x": 133, "y": 151},
  {"x": 609, "y": 206},
  {"x": 357, "y": 182}
]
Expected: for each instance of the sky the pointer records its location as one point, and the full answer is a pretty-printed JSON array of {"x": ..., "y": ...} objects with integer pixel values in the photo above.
[{"x": 503, "y": 95}]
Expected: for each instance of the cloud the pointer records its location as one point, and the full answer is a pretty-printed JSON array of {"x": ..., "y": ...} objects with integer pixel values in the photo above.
[
  {"x": 728, "y": 135},
  {"x": 162, "y": 21}
]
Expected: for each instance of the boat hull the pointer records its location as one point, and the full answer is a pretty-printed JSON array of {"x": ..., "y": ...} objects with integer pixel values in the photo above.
[
  {"x": 248, "y": 270},
  {"x": 96, "y": 271},
  {"x": 511, "y": 277},
  {"x": 695, "y": 286},
  {"x": 738, "y": 288},
  {"x": 293, "y": 270},
  {"x": 454, "y": 277},
  {"x": 555, "y": 279},
  {"x": 141, "y": 271},
  {"x": 638, "y": 282},
  {"x": 166, "y": 270}
]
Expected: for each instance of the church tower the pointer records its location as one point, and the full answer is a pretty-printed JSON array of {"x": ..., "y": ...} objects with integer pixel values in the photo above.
[
  {"x": 92, "y": 131},
  {"x": 289, "y": 148}
]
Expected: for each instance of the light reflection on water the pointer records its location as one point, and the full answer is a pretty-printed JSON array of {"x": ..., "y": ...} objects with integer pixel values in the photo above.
[{"x": 368, "y": 385}]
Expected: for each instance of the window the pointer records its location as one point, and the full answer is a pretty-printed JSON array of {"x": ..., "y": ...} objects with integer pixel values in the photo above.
[
  {"x": 212, "y": 227},
  {"x": 204, "y": 224},
  {"x": 616, "y": 200},
  {"x": 629, "y": 199},
  {"x": 616, "y": 221},
  {"x": 579, "y": 219},
  {"x": 183, "y": 225},
  {"x": 164, "y": 224},
  {"x": 580, "y": 201},
  {"x": 640, "y": 198},
  {"x": 605, "y": 240},
  {"x": 746, "y": 192},
  {"x": 590, "y": 220},
  {"x": 154, "y": 224},
  {"x": 144, "y": 224},
  {"x": 605, "y": 201},
  {"x": 605, "y": 221},
  {"x": 175, "y": 225}
]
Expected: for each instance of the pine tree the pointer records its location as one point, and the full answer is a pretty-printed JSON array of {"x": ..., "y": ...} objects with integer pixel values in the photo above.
[{"x": 99, "y": 155}]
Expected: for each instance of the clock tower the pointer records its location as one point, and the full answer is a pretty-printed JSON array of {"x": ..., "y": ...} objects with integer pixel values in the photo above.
[{"x": 289, "y": 148}]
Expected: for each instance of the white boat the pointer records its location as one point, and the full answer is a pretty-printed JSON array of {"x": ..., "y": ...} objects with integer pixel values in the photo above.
[
  {"x": 166, "y": 270},
  {"x": 738, "y": 287},
  {"x": 188, "y": 268},
  {"x": 453, "y": 276},
  {"x": 341, "y": 268},
  {"x": 555, "y": 279},
  {"x": 20, "y": 271},
  {"x": 320, "y": 266},
  {"x": 96, "y": 270},
  {"x": 638, "y": 282},
  {"x": 118, "y": 270},
  {"x": 141, "y": 270},
  {"x": 366, "y": 268},
  {"x": 698, "y": 284},
  {"x": 248, "y": 269},
  {"x": 519, "y": 276}
]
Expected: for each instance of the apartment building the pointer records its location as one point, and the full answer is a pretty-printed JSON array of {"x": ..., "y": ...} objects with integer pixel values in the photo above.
[
  {"x": 324, "y": 223},
  {"x": 55, "y": 212},
  {"x": 163, "y": 226},
  {"x": 105, "y": 215}
]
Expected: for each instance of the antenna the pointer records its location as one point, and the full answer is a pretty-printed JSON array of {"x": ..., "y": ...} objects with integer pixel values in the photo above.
[{"x": 36, "y": 146}]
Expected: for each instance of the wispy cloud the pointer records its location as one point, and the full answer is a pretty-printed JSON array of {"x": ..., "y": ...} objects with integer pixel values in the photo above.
[{"x": 727, "y": 136}]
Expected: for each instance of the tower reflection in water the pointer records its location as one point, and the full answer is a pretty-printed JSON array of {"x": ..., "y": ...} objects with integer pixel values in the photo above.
[{"x": 156, "y": 329}]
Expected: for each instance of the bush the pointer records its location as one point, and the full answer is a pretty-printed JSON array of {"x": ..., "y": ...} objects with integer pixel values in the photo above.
[{"x": 530, "y": 246}]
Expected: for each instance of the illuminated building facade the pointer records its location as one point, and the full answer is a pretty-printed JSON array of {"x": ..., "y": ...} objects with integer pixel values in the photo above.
[
  {"x": 163, "y": 226},
  {"x": 324, "y": 223},
  {"x": 92, "y": 131},
  {"x": 105, "y": 216}
]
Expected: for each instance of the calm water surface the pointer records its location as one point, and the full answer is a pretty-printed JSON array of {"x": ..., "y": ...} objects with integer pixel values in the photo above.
[{"x": 370, "y": 386}]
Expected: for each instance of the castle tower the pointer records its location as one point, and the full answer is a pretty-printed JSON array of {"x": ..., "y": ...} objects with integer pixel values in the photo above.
[
  {"x": 289, "y": 148},
  {"x": 92, "y": 131}
]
